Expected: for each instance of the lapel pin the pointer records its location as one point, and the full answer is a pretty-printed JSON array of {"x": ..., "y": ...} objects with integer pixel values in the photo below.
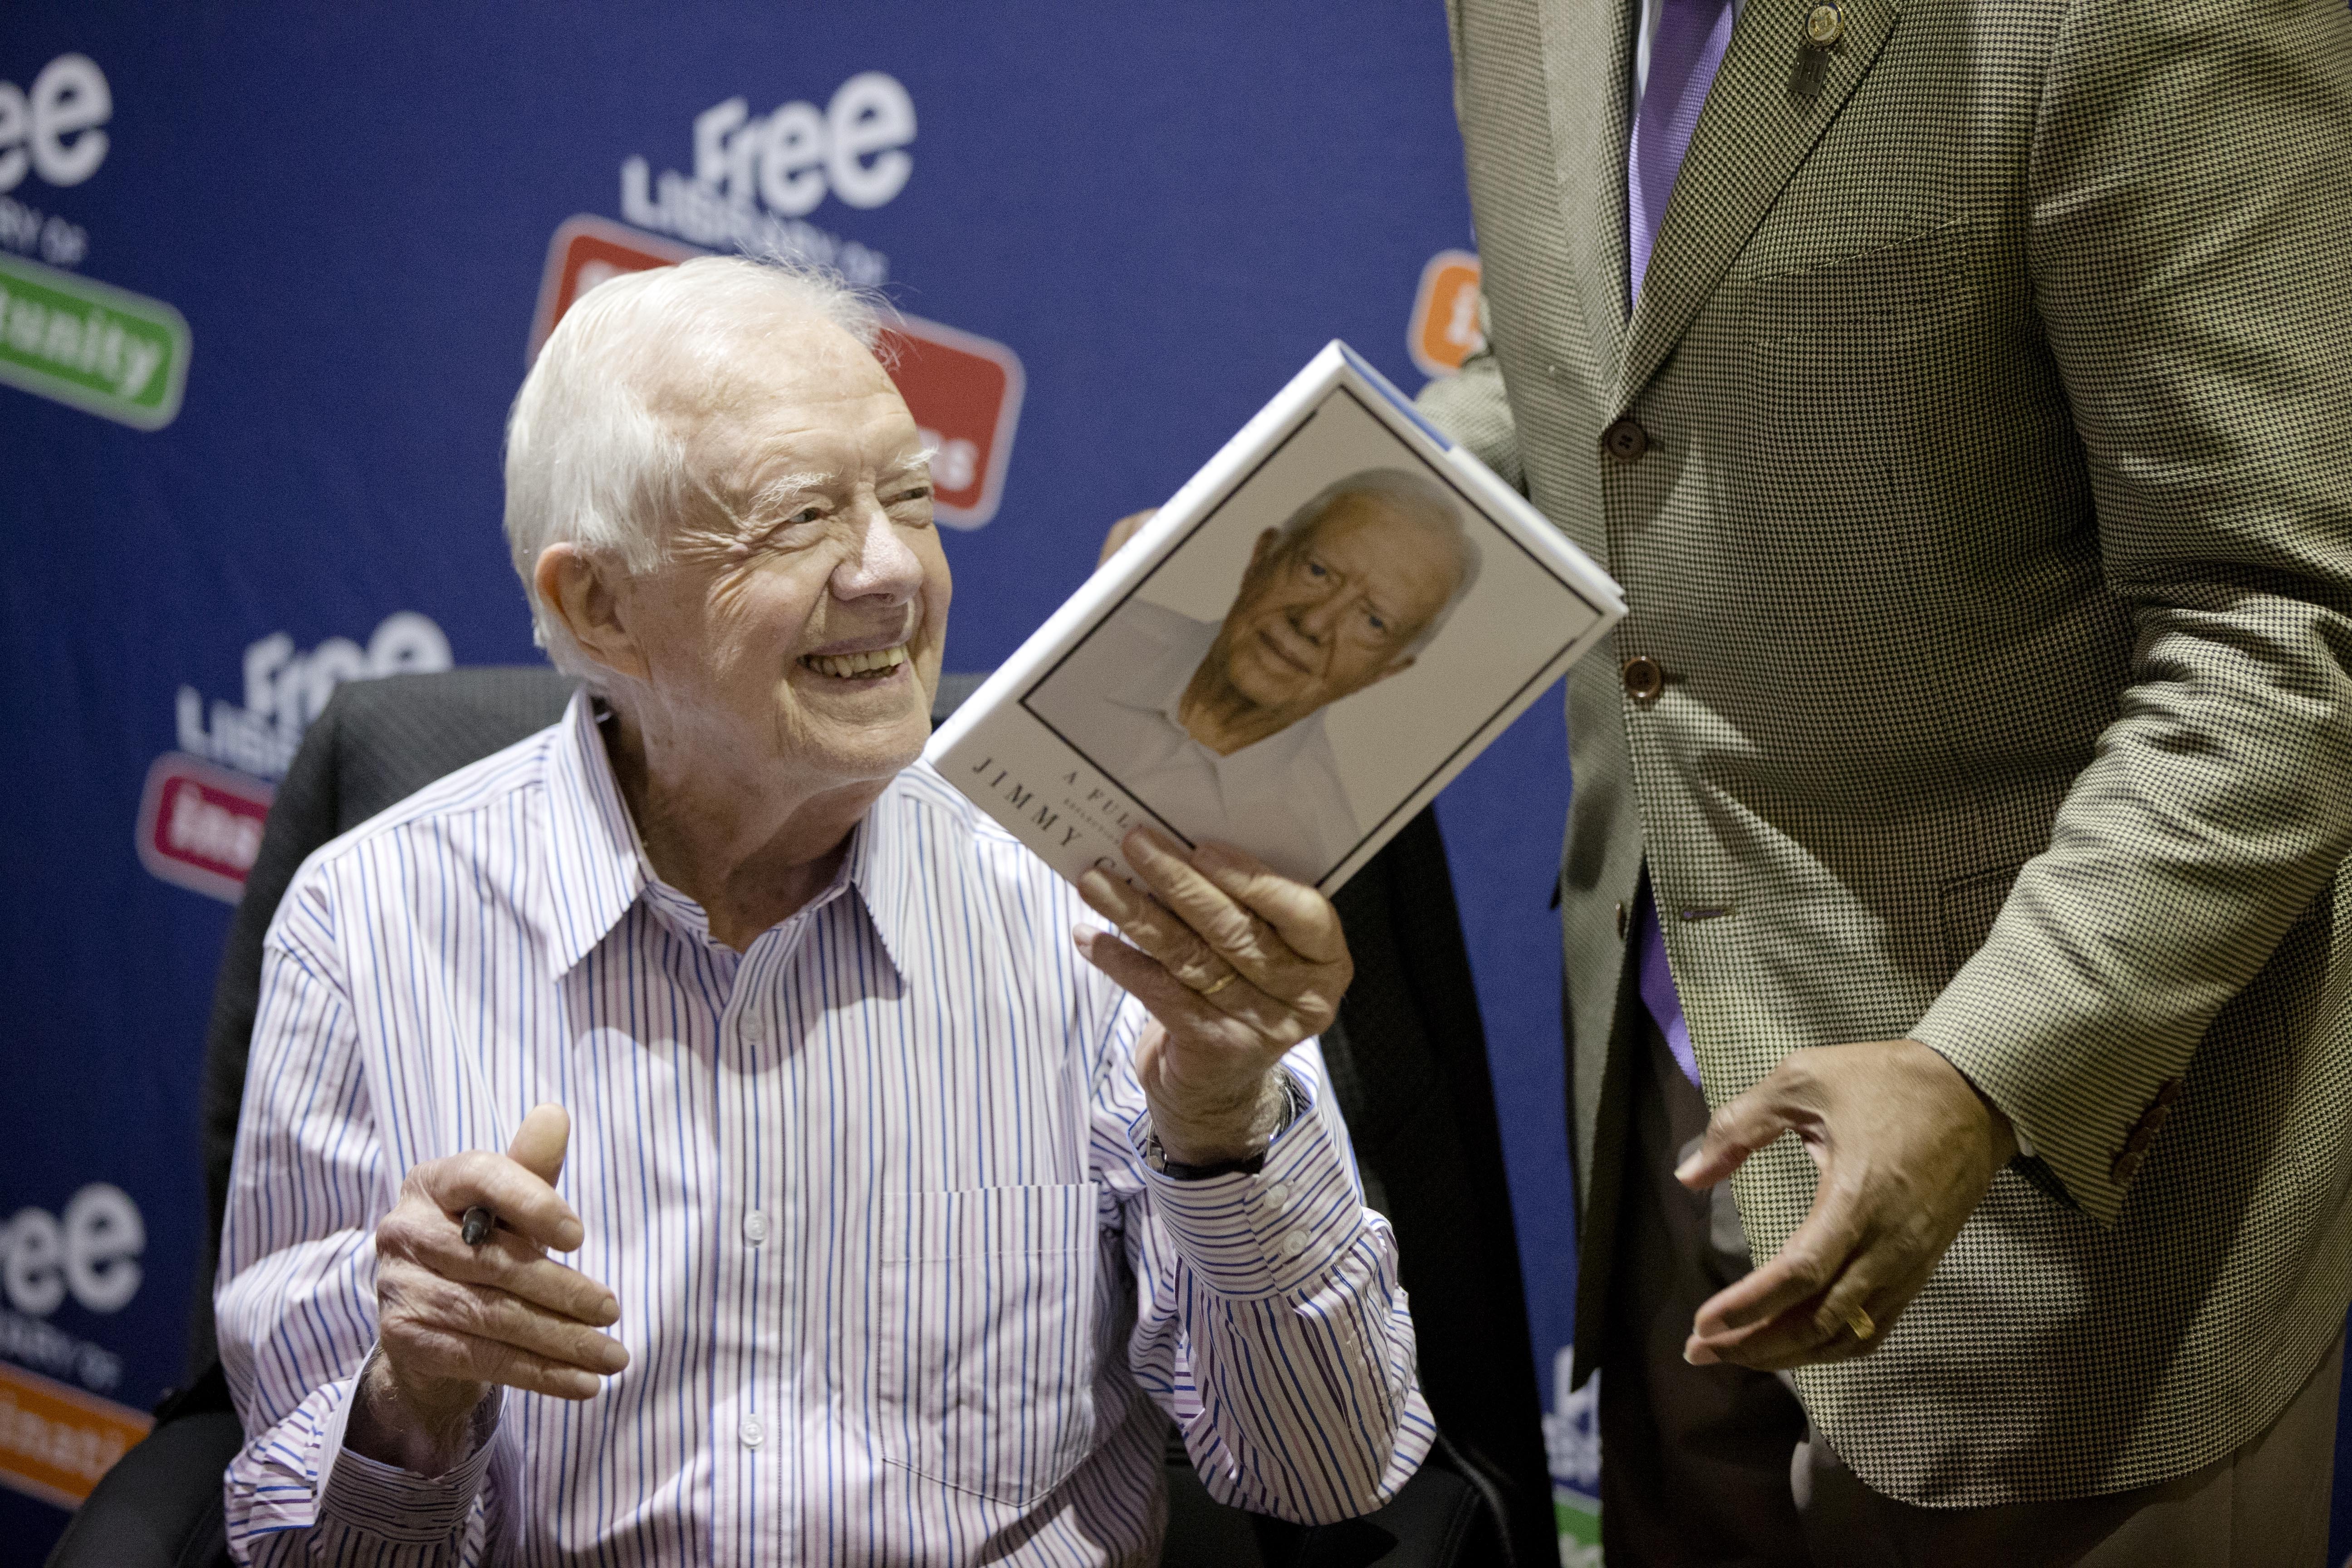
[{"x": 1826, "y": 27}]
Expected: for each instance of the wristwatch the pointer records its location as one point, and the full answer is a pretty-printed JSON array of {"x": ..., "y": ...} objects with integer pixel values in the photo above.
[{"x": 1156, "y": 1156}]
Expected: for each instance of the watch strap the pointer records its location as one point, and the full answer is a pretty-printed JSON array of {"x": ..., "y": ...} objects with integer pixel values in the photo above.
[{"x": 1155, "y": 1154}]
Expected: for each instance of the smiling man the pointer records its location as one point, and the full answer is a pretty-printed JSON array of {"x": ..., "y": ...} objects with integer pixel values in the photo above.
[
  {"x": 898, "y": 1233},
  {"x": 1218, "y": 727}
]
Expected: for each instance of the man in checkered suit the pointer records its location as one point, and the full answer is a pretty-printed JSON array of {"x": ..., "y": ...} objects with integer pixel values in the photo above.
[{"x": 1962, "y": 391}]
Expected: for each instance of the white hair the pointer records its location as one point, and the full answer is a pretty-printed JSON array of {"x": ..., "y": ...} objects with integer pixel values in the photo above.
[
  {"x": 589, "y": 461},
  {"x": 1418, "y": 499}
]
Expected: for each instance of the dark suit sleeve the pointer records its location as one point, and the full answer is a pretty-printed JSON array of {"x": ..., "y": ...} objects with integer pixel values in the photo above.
[{"x": 2192, "y": 189}]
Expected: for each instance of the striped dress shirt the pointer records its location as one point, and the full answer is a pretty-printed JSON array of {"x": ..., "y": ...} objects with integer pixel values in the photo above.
[{"x": 896, "y": 1282}]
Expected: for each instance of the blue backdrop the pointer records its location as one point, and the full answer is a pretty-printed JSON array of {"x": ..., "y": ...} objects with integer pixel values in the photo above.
[
  {"x": 1162, "y": 215},
  {"x": 1158, "y": 213}
]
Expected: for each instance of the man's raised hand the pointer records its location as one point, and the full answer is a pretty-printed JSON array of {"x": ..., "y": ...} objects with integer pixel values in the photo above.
[
  {"x": 1237, "y": 964},
  {"x": 1122, "y": 531},
  {"x": 454, "y": 1320}
]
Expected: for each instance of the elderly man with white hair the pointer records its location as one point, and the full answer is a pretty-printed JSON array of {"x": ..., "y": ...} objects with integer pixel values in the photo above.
[{"x": 894, "y": 1228}]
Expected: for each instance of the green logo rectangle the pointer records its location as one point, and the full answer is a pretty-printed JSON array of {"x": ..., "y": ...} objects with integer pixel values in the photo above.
[
  {"x": 1578, "y": 1518},
  {"x": 104, "y": 350}
]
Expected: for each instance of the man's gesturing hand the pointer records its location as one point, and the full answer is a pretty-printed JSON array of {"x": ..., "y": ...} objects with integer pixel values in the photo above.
[
  {"x": 453, "y": 1319},
  {"x": 1907, "y": 1147},
  {"x": 1236, "y": 966},
  {"x": 1124, "y": 530}
]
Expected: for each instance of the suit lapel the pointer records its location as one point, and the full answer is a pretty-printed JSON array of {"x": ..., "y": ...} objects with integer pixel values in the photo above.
[
  {"x": 1752, "y": 134},
  {"x": 1588, "y": 57}
]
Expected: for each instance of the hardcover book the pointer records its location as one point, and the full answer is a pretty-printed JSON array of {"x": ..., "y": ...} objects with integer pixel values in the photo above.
[{"x": 1314, "y": 636}]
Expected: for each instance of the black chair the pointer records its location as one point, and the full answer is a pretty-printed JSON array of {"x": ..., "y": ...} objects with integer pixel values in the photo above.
[{"x": 1407, "y": 1059}]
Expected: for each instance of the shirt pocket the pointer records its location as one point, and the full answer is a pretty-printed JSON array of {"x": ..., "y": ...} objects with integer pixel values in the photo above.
[{"x": 983, "y": 1373}]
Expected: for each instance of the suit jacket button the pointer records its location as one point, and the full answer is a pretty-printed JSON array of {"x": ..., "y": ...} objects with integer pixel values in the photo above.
[
  {"x": 1621, "y": 923},
  {"x": 2141, "y": 1136},
  {"x": 2125, "y": 1167},
  {"x": 2167, "y": 1092},
  {"x": 1645, "y": 678},
  {"x": 1625, "y": 440}
]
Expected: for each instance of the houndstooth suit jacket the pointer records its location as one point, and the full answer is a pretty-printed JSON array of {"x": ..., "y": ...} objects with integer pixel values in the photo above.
[{"x": 1994, "y": 535}]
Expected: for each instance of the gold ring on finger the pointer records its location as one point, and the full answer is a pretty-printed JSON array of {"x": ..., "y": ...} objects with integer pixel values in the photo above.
[
  {"x": 1858, "y": 1320},
  {"x": 1221, "y": 982}
]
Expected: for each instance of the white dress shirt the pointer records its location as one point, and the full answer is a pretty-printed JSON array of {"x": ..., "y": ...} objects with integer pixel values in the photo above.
[
  {"x": 1117, "y": 700},
  {"x": 896, "y": 1282}
]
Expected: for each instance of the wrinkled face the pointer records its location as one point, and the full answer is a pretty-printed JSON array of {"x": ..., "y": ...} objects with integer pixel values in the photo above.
[
  {"x": 1335, "y": 608},
  {"x": 798, "y": 621}
]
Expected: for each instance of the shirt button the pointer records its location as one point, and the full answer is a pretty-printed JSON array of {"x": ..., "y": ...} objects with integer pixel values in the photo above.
[
  {"x": 1294, "y": 1244},
  {"x": 755, "y": 1227},
  {"x": 1625, "y": 440},
  {"x": 753, "y": 1432},
  {"x": 1278, "y": 1194},
  {"x": 749, "y": 1027},
  {"x": 1645, "y": 678}
]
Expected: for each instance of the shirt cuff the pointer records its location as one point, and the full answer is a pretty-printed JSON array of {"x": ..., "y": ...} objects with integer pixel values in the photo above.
[
  {"x": 387, "y": 1503},
  {"x": 1278, "y": 1232}
]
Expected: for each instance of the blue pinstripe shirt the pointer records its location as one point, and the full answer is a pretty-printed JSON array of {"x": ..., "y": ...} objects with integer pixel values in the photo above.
[{"x": 895, "y": 1283}]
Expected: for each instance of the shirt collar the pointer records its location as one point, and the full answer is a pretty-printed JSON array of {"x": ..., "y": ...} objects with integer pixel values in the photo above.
[
  {"x": 598, "y": 867},
  {"x": 1158, "y": 685},
  {"x": 883, "y": 864},
  {"x": 595, "y": 866}
]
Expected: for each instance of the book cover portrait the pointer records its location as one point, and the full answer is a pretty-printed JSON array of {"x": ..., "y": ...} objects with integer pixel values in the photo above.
[{"x": 1313, "y": 651}]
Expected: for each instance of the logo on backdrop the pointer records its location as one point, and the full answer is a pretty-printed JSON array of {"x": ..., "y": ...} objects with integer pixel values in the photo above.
[
  {"x": 104, "y": 350},
  {"x": 1572, "y": 1443},
  {"x": 201, "y": 814},
  {"x": 56, "y": 1440},
  {"x": 51, "y": 133},
  {"x": 1445, "y": 327},
  {"x": 963, "y": 390},
  {"x": 89, "y": 1253},
  {"x": 757, "y": 177}
]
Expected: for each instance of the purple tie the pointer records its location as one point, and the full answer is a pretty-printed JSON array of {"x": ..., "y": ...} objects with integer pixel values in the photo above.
[
  {"x": 1683, "y": 53},
  {"x": 1658, "y": 986}
]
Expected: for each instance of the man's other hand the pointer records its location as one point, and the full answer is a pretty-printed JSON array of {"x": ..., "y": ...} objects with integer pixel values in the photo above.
[
  {"x": 1122, "y": 531},
  {"x": 453, "y": 1319},
  {"x": 1235, "y": 965},
  {"x": 1907, "y": 1147}
]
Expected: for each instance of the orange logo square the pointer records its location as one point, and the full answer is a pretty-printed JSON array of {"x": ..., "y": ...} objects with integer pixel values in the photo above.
[
  {"x": 57, "y": 1441},
  {"x": 1444, "y": 330}
]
